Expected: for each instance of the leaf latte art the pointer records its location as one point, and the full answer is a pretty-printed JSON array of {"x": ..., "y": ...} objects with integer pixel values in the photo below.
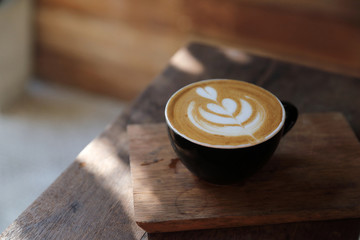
[
  {"x": 225, "y": 113},
  {"x": 228, "y": 117}
]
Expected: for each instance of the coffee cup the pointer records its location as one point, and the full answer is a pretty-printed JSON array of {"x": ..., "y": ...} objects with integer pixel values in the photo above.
[{"x": 225, "y": 130}]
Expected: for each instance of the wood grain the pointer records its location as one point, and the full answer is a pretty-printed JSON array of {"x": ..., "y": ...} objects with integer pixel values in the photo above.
[
  {"x": 310, "y": 38},
  {"x": 104, "y": 195},
  {"x": 312, "y": 176},
  {"x": 98, "y": 54},
  {"x": 104, "y": 46}
]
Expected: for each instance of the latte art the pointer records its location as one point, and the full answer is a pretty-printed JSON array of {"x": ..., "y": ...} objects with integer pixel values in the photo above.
[
  {"x": 228, "y": 117},
  {"x": 225, "y": 113}
]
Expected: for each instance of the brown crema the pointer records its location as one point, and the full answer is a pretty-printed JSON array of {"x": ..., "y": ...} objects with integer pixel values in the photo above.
[{"x": 225, "y": 112}]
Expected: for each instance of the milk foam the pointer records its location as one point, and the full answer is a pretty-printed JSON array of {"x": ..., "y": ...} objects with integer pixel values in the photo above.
[
  {"x": 224, "y": 113},
  {"x": 219, "y": 118}
]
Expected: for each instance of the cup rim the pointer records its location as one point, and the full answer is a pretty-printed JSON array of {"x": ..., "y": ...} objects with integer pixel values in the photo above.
[{"x": 272, "y": 134}]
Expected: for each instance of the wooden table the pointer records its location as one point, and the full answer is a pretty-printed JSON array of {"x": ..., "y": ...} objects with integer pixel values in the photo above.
[{"x": 92, "y": 199}]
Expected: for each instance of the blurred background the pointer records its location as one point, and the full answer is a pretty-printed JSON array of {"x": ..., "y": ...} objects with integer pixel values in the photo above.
[{"x": 68, "y": 68}]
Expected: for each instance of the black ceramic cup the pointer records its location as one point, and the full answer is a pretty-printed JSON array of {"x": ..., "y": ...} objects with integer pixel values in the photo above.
[{"x": 229, "y": 165}]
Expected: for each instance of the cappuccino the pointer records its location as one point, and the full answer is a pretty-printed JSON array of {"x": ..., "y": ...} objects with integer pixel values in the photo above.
[{"x": 225, "y": 113}]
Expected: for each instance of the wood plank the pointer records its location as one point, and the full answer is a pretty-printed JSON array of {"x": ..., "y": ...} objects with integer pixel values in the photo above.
[
  {"x": 310, "y": 38},
  {"x": 133, "y": 36},
  {"x": 91, "y": 75},
  {"x": 85, "y": 37},
  {"x": 52, "y": 217},
  {"x": 312, "y": 176},
  {"x": 307, "y": 32},
  {"x": 112, "y": 9},
  {"x": 157, "y": 14},
  {"x": 100, "y": 55}
]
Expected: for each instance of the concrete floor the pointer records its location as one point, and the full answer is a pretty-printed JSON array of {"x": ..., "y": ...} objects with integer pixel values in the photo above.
[{"x": 41, "y": 135}]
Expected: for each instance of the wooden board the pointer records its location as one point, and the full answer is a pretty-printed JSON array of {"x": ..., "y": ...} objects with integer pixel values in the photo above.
[{"x": 314, "y": 175}]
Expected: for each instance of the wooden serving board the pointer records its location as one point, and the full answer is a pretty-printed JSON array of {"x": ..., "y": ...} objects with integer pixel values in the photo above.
[{"x": 314, "y": 175}]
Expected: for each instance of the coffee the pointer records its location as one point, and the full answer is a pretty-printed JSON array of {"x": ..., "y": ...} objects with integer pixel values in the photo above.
[{"x": 225, "y": 113}]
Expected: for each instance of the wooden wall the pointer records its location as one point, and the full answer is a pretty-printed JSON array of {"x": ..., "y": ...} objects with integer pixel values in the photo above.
[{"x": 116, "y": 47}]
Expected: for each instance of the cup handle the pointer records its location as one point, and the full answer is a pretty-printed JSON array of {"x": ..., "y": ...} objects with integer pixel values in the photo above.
[{"x": 291, "y": 113}]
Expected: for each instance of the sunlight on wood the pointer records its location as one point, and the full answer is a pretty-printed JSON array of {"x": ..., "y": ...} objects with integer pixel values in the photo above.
[
  {"x": 186, "y": 62},
  {"x": 237, "y": 56},
  {"x": 100, "y": 159}
]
